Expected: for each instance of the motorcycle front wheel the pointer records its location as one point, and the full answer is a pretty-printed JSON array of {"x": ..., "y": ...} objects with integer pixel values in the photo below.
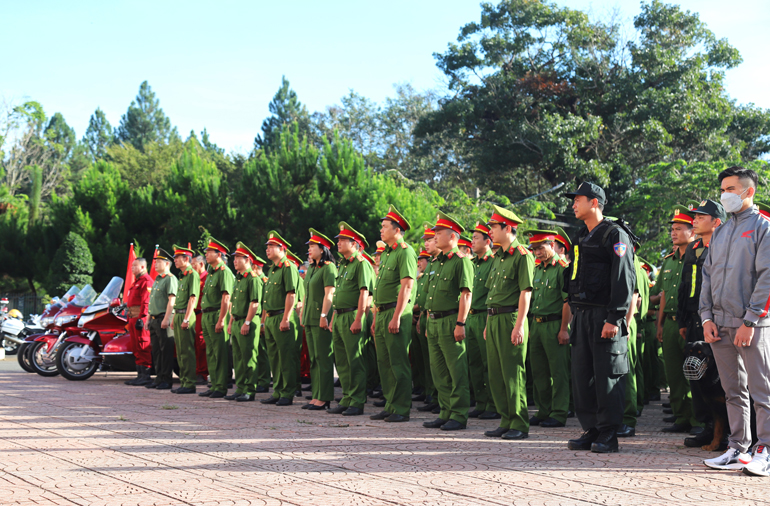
[
  {"x": 40, "y": 362},
  {"x": 76, "y": 363},
  {"x": 23, "y": 357},
  {"x": 11, "y": 348}
]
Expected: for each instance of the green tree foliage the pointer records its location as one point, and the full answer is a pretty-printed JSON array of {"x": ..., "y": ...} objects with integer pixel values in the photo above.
[
  {"x": 285, "y": 109},
  {"x": 99, "y": 135},
  {"x": 71, "y": 265},
  {"x": 145, "y": 122}
]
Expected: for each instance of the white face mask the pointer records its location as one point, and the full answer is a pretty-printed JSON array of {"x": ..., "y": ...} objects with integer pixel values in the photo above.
[{"x": 732, "y": 202}]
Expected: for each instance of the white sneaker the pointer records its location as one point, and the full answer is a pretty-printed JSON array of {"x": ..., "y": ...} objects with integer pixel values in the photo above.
[
  {"x": 731, "y": 459},
  {"x": 759, "y": 465}
]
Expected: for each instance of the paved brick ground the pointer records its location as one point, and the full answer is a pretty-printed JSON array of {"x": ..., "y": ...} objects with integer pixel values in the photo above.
[{"x": 99, "y": 442}]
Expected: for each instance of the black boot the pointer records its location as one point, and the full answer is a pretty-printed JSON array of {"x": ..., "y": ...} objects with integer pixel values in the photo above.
[
  {"x": 585, "y": 441},
  {"x": 607, "y": 442},
  {"x": 144, "y": 378},
  {"x": 133, "y": 381}
]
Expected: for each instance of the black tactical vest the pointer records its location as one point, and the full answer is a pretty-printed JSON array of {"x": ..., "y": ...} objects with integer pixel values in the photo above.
[{"x": 589, "y": 275}]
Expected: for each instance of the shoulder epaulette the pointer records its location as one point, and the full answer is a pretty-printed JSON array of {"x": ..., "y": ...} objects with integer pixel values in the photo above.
[
  {"x": 360, "y": 258},
  {"x": 264, "y": 279},
  {"x": 461, "y": 254},
  {"x": 563, "y": 262},
  {"x": 669, "y": 255},
  {"x": 522, "y": 250},
  {"x": 404, "y": 245}
]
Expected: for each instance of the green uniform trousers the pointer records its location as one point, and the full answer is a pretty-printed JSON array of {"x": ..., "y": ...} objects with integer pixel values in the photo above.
[
  {"x": 679, "y": 387},
  {"x": 550, "y": 370},
  {"x": 349, "y": 355},
  {"x": 319, "y": 350},
  {"x": 393, "y": 361},
  {"x": 507, "y": 375},
  {"x": 449, "y": 365},
  {"x": 245, "y": 353},
  {"x": 184, "y": 340},
  {"x": 263, "y": 362},
  {"x": 370, "y": 354},
  {"x": 217, "y": 352},
  {"x": 630, "y": 408},
  {"x": 478, "y": 369},
  {"x": 422, "y": 338},
  {"x": 654, "y": 374},
  {"x": 639, "y": 369},
  {"x": 284, "y": 355},
  {"x": 415, "y": 361}
]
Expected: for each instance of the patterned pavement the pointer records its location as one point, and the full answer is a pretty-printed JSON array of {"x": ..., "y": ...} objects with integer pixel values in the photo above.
[{"x": 99, "y": 442}]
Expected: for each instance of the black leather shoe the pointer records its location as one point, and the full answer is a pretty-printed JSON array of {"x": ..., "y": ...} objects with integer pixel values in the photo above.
[
  {"x": 382, "y": 415},
  {"x": 151, "y": 385},
  {"x": 435, "y": 424},
  {"x": 427, "y": 407},
  {"x": 284, "y": 401},
  {"x": 428, "y": 400},
  {"x": 498, "y": 432},
  {"x": 418, "y": 398},
  {"x": 397, "y": 418},
  {"x": 607, "y": 442},
  {"x": 515, "y": 434},
  {"x": 655, "y": 397},
  {"x": 668, "y": 411},
  {"x": 216, "y": 394},
  {"x": 309, "y": 397},
  {"x": 307, "y": 388},
  {"x": 475, "y": 413},
  {"x": 379, "y": 404},
  {"x": 535, "y": 421},
  {"x": 316, "y": 407},
  {"x": 353, "y": 411},
  {"x": 677, "y": 427},
  {"x": 298, "y": 393},
  {"x": 666, "y": 404},
  {"x": 185, "y": 390},
  {"x": 232, "y": 396},
  {"x": 338, "y": 399},
  {"x": 701, "y": 439},
  {"x": 269, "y": 400},
  {"x": 490, "y": 415},
  {"x": 570, "y": 414},
  {"x": 453, "y": 425},
  {"x": 436, "y": 410},
  {"x": 551, "y": 422},
  {"x": 337, "y": 410},
  {"x": 626, "y": 431},
  {"x": 207, "y": 393},
  {"x": 262, "y": 390},
  {"x": 638, "y": 413},
  {"x": 585, "y": 440},
  {"x": 163, "y": 386},
  {"x": 670, "y": 419},
  {"x": 245, "y": 398},
  {"x": 696, "y": 430},
  {"x": 201, "y": 380},
  {"x": 306, "y": 406}
]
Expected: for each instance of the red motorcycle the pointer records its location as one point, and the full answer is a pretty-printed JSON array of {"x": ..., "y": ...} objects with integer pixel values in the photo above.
[
  {"x": 100, "y": 325},
  {"x": 42, "y": 351}
]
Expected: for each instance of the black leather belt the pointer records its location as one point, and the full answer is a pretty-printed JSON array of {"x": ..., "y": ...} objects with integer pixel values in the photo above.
[
  {"x": 549, "y": 318},
  {"x": 237, "y": 317},
  {"x": 344, "y": 310},
  {"x": 492, "y": 311},
  {"x": 435, "y": 315},
  {"x": 671, "y": 317},
  {"x": 156, "y": 316},
  {"x": 477, "y": 311},
  {"x": 385, "y": 307},
  {"x": 275, "y": 313},
  {"x": 209, "y": 310},
  {"x": 180, "y": 311},
  {"x": 197, "y": 311}
]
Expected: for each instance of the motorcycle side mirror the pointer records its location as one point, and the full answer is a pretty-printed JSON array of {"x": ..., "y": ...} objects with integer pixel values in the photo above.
[{"x": 115, "y": 302}]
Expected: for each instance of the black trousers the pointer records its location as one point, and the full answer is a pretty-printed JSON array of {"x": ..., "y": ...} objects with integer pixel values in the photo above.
[
  {"x": 162, "y": 351},
  {"x": 700, "y": 406},
  {"x": 598, "y": 370}
]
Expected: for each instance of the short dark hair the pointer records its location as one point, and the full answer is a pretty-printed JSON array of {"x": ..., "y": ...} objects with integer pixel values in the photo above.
[
  {"x": 397, "y": 225},
  {"x": 484, "y": 236},
  {"x": 599, "y": 205},
  {"x": 748, "y": 177}
]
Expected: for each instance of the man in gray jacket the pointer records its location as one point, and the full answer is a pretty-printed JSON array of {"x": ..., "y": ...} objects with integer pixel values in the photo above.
[{"x": 734, "y": 303}]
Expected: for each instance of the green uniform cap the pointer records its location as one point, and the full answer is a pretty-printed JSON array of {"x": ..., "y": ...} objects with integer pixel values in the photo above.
[
  {"x": 505, "y": 217},
  {"x": 367, "y": 257},
  {"x": 162, "y": 254},
  {"x": 351, "y": 233},
  {"x": 317, "y": 237},
  {"x": 395, "y": 216},
  {"x": 443, "y": 220},
  {"x": 243, "y": 250},
  {"x": 539, "y": 235},
  {"x": 764, "y": 209},
  {"x": 274, "y": 237},
  {"x": 294, "y": 258},
  {"x": 683, "y": 213},
  {"x": 647, "y": 266},
  {"x": 563, "y": 237},
  {"x": 181, "y": 250},
  {"x": 216, "y": 245},
  {"x": 259, "y": 260}
]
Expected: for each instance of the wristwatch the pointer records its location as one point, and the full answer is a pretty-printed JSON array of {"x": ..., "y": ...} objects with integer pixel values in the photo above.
[
  {"x": 323, "y": 315},
  {"x": 185, "y": 321},
  {"x": 749, "y": 324},
  {"x": 247, "y": 322}
]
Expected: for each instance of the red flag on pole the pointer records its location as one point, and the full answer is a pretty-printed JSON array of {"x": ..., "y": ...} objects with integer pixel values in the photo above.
[
  {"x": 129, "y": 275},
  {"x": 153, "y": 272}
]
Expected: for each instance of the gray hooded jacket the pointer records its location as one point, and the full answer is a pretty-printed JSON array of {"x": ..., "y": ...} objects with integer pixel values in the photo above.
[{"x": 736, "y": 274}]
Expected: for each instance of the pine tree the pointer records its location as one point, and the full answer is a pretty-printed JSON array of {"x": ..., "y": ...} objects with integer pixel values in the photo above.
[
  {"x": 98, "y": 135},
  {"x": 285, "y": 109},
  {"x": 145, "y": 121},
  {"x": 71, "y": 265}
]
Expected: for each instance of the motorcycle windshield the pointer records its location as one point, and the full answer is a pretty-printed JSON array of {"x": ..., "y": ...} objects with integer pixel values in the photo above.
[
  {"x": 74, "y": 289},
  {"x": 111, "y": 291},
  {"x": 84, "y": 297}
]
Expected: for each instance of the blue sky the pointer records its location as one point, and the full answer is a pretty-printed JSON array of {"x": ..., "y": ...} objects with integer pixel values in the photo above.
[{"x": 218, "y": 64}]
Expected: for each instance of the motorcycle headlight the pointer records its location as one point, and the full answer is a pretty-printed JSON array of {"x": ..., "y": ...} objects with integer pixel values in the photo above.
[
  {"x": 85, "y": 319},
  {"x": 44, "y": 322},
  {"x": 63, "y": 320}
]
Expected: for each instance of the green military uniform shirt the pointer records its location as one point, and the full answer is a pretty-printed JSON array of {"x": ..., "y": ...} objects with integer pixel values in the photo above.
[
  {"x": 316, "y": 280},
  {"x": 397, "y": 262},
  {"x": 421, "y": 290},
  {"x": 189, "y": 286},
  {"x": 282, "y": 278},
  {"x": 480, "y": 276},
  {"x": 163, "y": 287},
  {"x": 512, "y": 272},
  {"x": 548, "y": 293},
  {"x": 642, "y": 287},
  {"x": 219, "y": 281},
  {"x": 669, "y": 279},
  {"x": 247, "y": 289},
  {"x": 453, "y": 273},
  {"x": 353, "y": 275}
]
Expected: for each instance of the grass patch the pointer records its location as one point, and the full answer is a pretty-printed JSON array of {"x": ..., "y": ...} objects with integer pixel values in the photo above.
[{"x": 169, "y": 406}]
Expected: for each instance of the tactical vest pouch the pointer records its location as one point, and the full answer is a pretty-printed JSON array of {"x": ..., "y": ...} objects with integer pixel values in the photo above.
[{"x": 617, "y": 348}]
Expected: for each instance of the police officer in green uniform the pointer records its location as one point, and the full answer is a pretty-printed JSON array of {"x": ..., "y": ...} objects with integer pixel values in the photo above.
[
  {"x": 600, "y": 284},
  {"x": 449, "y": 300},
  {"x": 350, "y": 299},
  {"x": 393, "y": 325},
  {"x": 475, "y": 344},
  {"x": 549, "y": 336},
  {"x": 263, "y": 361},
  {"x": 668, "y": 328},
  {"x": 420, "y": 337},
  {"x": 187, "y": 294},
  {"x": 510, "y": 289},
  {"x": 215, "y": 301},
  {"x": 161, "y": 308},
  {"x": 418, "y": 355},
  {"x": 280, "y": 322},
  {"x": 319, "y": 284},
  {"x": 370, "y": 351},
  {"x": 244, "y": 305}
]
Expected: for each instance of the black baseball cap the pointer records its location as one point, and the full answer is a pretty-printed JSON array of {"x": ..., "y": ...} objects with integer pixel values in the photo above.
[
  {"x": 712, "y": 208},
  {"x": 590, "y": 190}
]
